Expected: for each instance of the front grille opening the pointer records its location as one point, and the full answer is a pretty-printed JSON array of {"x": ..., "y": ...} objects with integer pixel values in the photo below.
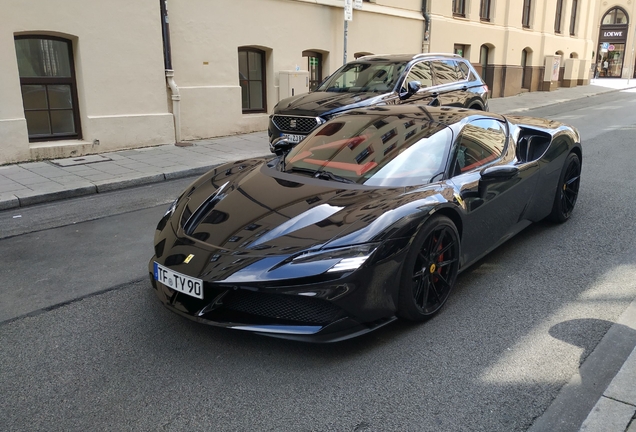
[
  {"x": 294, "y": 124},
  {"x": 287, "y": 307}
]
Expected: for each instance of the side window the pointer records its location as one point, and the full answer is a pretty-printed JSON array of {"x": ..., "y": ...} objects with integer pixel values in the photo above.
[
  {"x": 420, "y": 72},
  {"x": 480, "y": 142},
  {"x": 463, "y": 70},
  {"x": 445, "y": 72}
]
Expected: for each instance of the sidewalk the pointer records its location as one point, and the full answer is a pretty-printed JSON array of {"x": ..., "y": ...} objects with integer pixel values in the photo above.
[{"x": 37, "y": 182}]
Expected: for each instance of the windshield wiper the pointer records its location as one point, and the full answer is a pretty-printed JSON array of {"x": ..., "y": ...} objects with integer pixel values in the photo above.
[
  {"x": 307, "y": 171},
  {"x": 322, "y": 175},
  {"x": 326, "y": 175}
]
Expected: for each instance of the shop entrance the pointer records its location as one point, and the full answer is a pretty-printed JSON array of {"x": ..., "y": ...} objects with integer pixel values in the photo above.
[{"x": 611, "y": 43}]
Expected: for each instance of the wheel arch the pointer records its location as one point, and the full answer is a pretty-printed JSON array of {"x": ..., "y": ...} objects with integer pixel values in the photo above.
[
  {"x": 577, "y": 150},
  {"x": 454, "y": 216}
]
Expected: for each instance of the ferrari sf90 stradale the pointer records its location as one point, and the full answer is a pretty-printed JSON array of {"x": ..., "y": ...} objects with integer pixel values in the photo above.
[{"x": 368, "y": 219}]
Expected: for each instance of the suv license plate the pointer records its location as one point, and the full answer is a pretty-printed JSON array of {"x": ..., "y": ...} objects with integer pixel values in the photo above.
[
  {"x": 178, "y": 282},
  {"x": 294, "y": 138}
]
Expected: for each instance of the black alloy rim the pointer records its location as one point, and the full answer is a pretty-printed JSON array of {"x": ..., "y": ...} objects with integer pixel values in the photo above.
[
  {"x": 435, "y": 269},
  {"x": 570, "y": 188}
]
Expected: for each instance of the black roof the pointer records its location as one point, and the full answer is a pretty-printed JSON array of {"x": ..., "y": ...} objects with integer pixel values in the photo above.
[{"x": 404, "y": 57}]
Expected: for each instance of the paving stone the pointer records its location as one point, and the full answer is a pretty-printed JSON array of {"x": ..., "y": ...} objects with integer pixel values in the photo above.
[
  {"x": 36, "y": 179},
  {"x": 53, "y": 173},
  {"x": 70, "y": 179},
  {"x": 78, "y": 169},
  {"x": 608, "y": 415},
  {"x": 4, "y": 170},
  {"x": 22, "y": 174},
  {"x": 618, "y": 389},
  {"x": 32, "y": 165}
]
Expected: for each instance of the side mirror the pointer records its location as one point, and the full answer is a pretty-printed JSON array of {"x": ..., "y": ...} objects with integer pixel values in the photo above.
[
  {"x": 499, "y": 173},
  {"x": 282, "y": 146},
  {"x": 411, "y": 88}
]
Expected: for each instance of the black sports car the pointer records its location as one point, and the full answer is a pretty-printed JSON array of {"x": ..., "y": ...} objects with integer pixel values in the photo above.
[{"x": 370, "y": 218}]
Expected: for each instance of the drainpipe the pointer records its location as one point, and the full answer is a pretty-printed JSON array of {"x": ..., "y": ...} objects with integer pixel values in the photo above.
[
  {"x": 167, "y": 57},
  {"x": 427, "y": 26},
  {"x": 176, "y": 109}
]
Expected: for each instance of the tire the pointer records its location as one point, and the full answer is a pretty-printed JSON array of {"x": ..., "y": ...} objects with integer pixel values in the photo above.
[
  {"x": 567, "y": 189},
  {"x": 430, "y": 270}
]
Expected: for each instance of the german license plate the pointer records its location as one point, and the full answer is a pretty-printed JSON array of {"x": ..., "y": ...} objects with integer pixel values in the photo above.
[
  {"x": 178, "y": 282},
  {"x": 294, "y": 138}
]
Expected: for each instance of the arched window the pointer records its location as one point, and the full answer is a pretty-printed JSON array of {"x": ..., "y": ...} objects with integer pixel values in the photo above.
[
  {"x": 524, "y": 64},
  {"x": 252, "y": 79},
  {"x": 49, "y": 91},
  {"x": 484, "y": 52},
  {"x": 615, "y": 16}
]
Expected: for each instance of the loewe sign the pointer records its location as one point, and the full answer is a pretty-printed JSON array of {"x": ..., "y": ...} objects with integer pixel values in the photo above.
[{"x": 613, "y": 34}]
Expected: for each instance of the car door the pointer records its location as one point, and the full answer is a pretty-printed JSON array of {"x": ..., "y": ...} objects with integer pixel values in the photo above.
[
  {"x": 451, "y": 90},
  {"x": 493, "y": 208}
]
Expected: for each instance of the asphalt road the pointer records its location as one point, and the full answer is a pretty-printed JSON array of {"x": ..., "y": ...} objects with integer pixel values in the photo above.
[{"x": 515, "y": 330}]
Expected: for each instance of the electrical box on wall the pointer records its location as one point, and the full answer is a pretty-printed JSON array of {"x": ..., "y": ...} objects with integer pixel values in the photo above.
[{"x": 292, "y": 83}]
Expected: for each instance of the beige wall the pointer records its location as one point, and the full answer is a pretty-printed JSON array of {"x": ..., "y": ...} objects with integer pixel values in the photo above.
[
  {"x": 124, "y": 101},
  {"x": 205, "y": 44},
  {"x": 119, "y": 66}
]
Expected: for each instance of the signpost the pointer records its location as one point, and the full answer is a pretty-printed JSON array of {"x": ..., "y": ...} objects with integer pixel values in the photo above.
[{"x": 348, "y": 16}]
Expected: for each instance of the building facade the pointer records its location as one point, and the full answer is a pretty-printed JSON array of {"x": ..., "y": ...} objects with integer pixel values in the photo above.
[
  {"x": 615, "y": 39},
  {"x": 85, "y": 77}
]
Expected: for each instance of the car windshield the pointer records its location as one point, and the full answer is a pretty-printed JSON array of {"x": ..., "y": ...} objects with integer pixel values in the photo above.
[
  {"x": 355, "y": 77},
  {"x": 374, "y": 150}
]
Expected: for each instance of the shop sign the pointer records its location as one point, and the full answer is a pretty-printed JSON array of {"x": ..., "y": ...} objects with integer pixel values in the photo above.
[{"x": 613, "y": 34}]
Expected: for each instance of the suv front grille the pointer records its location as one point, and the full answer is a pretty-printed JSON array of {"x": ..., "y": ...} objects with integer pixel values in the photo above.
[{"x": 295, "y": 124}]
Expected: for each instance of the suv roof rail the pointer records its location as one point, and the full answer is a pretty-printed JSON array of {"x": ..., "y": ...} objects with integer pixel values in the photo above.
[{"x": 436, "y": 54}]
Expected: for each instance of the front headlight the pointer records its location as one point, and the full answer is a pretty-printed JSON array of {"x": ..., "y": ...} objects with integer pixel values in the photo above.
[{"x": 344, "y": 259}]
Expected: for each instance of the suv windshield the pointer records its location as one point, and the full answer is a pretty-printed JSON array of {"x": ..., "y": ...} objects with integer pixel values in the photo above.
[
  {"x": 374, "y": 150},
  {"x": 379, "y": 77}
]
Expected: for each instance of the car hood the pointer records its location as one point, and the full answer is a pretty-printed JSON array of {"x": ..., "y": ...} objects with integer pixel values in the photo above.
[
  {"x": 321, "y": 103},
  {"x": 251, "y": 213}
]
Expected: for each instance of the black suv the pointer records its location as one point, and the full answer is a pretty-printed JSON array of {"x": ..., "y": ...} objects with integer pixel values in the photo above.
[{"x": 430, "y": 79}]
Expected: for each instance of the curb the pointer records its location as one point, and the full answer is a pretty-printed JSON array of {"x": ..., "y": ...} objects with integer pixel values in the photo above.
[
  {"x": 520, "y": 110},
  {"x": 10, "y": 201}
]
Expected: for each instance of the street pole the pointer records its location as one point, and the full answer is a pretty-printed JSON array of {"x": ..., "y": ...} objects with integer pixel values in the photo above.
[
  {"x": 346, "y": 32},
  {"x": 348, "y": 16}
]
